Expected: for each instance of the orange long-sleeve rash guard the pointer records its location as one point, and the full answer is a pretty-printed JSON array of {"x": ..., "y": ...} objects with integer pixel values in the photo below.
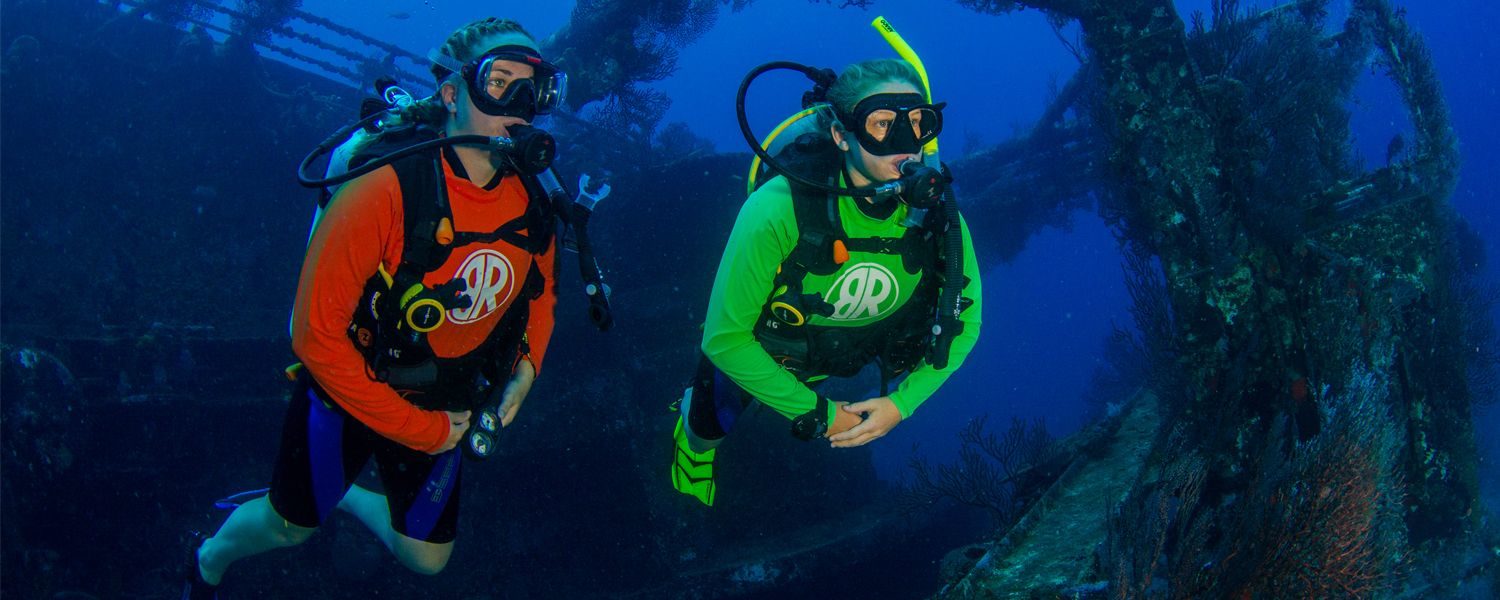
[{"x": 361, "y": 230}]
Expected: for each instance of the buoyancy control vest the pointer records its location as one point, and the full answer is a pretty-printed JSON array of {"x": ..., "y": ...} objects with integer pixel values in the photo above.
[
  {"x": 897, "y": 342},
  {"x": 388, "y": 328}
]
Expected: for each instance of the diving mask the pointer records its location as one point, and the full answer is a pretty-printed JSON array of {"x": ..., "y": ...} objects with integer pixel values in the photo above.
[
  {"x": 887, "y": 124},
  {"x": 496, "y": 92}
]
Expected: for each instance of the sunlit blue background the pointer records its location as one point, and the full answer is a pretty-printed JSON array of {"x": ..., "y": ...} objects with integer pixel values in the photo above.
[{"x": 1046, "y": 312}]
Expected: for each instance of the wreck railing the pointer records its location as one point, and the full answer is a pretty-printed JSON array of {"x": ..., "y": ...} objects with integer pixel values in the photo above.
[{"x": 351, "y": 60}]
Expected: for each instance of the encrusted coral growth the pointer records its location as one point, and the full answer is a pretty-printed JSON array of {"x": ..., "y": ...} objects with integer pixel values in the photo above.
[
  {"x": 1135, "y": 552},
  {"x": 1411, "y": 274},
  {"x": 172, "y": 12},
  {"x": 1409, "y": 63},
  {"x": 1323, "y": 520},
  {"x": 1327, "y": 336},
  {"x": 1000, "y": 7},
  {"x": 612, "y": 51},
  {"x": 257, "y": 19}
]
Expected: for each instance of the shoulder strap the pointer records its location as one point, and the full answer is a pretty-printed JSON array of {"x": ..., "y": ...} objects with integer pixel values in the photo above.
[
  {"x": 422, "y": 181},
  {"x": 536, "y": 221},
  {"x": 541, "y": 217},
  {"x": 424, "y": 204},
  {"x": 818, "y": 224},
  {"x": 816, "y": 232}
]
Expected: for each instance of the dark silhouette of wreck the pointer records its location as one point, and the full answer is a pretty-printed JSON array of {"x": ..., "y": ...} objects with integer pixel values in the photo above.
[{"x": 1290, "y": 416}]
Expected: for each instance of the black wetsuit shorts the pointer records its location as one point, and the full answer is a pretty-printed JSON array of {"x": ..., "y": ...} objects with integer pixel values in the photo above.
[
  {"x": 323, "y": 450},
  {"x": 717, "y": 402}
]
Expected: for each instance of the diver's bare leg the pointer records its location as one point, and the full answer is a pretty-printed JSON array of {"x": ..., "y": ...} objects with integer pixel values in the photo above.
[
  {"x": 372, "y": 509},
  {"x": 251, "y": 529}
]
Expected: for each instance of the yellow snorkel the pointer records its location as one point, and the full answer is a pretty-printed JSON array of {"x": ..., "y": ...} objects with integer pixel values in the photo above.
[
  {"x": 921, "y": 187},
  {"x": 887, "y": 31}
]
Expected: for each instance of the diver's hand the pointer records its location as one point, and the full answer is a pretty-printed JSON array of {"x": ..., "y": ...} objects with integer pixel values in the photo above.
[
  {"x": 880, "y": 414},
  {"x": 842, "y": 421},
  {"x": 458, "y": 424},
  {"x": 515, "y": 391}
]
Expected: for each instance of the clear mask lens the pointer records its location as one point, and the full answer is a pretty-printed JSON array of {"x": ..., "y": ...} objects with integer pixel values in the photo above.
[
  {"x": 497, "y": 83},
  {"x": 552, "y": 93},
  {"x": 543, "y": 91},
  {"x": 879, "y": 124}
]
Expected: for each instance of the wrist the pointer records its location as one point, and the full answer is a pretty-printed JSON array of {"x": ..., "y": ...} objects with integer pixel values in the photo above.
[
  {"x": 813, "y": 424},
  {"x": 903, "y": 405}
]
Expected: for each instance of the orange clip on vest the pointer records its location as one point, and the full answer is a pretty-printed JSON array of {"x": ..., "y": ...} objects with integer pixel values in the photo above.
[{"x": 840, "y": 253}]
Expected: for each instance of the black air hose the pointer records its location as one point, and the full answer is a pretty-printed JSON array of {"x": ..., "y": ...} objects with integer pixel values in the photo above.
[{"x": 950, "y": 301}]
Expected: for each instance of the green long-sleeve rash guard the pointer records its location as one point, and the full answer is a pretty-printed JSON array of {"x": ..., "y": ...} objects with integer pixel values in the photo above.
[{"x": 865, "y": 289}]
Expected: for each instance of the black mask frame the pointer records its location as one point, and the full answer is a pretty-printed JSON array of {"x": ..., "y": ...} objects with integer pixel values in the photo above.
[{"x": 902, "y": 137}]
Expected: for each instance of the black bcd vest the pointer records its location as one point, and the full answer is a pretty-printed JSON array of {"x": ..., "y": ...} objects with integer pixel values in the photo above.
[
  {"x": 897, "y": 342},
  {"x": 401, "y": 357}
]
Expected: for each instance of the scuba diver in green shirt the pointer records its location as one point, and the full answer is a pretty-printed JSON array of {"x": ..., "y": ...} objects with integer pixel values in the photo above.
[{"x": 854, "y": 253}]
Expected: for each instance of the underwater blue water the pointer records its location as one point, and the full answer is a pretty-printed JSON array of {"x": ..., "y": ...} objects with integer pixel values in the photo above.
[
  {"x": 1046, "y": 314},
  {"x": 1048, "y": 311},
  {"x": 1050, "y": 308}
]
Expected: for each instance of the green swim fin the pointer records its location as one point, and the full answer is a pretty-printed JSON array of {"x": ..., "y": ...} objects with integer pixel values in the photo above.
[{"x": 692, "y": 472}]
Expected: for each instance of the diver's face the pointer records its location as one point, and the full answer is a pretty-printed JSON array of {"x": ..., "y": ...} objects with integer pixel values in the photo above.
[
  {"x": 876, "y": 168},
  {"x": 467, "y": 118}
]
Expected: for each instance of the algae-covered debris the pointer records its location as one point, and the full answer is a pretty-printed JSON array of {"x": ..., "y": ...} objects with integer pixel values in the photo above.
[{"x": 1313, "y": 339}]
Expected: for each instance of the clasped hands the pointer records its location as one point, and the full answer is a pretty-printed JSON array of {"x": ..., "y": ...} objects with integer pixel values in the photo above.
[{"x": 859, "y": 423}]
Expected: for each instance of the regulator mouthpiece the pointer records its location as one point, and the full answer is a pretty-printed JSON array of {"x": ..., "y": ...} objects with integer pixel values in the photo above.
[{"x": 531, "y": 150}]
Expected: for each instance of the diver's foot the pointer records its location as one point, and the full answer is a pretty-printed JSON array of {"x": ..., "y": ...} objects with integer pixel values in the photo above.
[
  {"x": 692, "y": 472},
  {"x": 193, "y": 585}
]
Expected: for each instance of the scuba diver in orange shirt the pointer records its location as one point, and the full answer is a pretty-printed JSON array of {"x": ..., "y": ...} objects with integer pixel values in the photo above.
[{"x": 424, "y": 307}]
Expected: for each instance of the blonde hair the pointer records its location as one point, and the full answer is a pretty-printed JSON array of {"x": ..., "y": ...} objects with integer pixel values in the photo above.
[
  {"x": 463, "y": 45},
  {"x": 860, "y": 78}
]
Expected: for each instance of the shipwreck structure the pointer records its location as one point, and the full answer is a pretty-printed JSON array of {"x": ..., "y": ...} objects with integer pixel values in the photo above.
[
  {"x": 1291, "y": 410},
  {"x": 1310, "y": 338}
]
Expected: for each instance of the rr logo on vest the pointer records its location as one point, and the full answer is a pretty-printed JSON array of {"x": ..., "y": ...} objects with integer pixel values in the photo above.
[
  {"x": 490, "y": 278},
  {"x": 864, "y": 291}
]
